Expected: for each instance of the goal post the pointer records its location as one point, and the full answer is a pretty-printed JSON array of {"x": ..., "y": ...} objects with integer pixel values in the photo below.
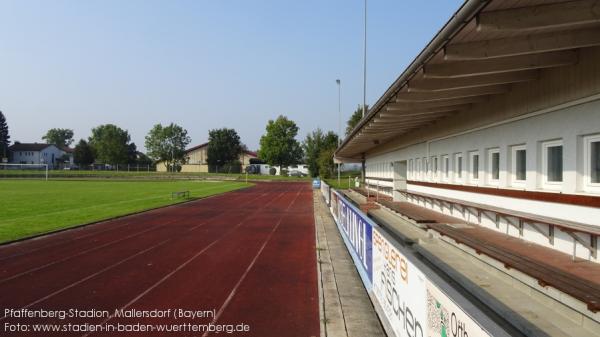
[{"x": 24, "y": 171}]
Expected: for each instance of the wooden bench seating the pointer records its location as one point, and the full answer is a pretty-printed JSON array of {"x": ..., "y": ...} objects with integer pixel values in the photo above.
[
  {"x": 526, "y": 217},
  {"x": 371, "y": 194},
  {"x": 517, "y": 219},
  {"x": 547, "y": 275},
  {"x": 494, "y": 244},
  {"x": 415, "y": 213}
]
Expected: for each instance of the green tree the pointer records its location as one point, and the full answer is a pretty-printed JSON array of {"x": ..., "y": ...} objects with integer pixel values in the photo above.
[
  {"x": 325, "y": 162},
  {"x": 4, "y": 137},
  {"x": 110, "y": 144},
  {"x": 167, "y": 144},
  {"x": 314, "y": 143},
  {"x": 355, "y": 118},
  {"x": 59, "y": 137},
  {"x": 135, "y": 157},
  {"x": 278, "y": 146},
  {"x": 224, "y": 147},
  {"x": 132, "y": 153},
  {"x": 83, "y": 154}
]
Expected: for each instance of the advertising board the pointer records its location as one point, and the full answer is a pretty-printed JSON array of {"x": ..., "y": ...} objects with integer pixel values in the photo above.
[
  {"x": 409, "y": 302},
  {"x": 400, "y": 288},
  {"x": 357, "y": 232},
  {"x": 446, "y": 319}
]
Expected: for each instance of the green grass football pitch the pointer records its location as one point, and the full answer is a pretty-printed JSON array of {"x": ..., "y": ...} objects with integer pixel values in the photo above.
[{"x": 30, "y": 207}]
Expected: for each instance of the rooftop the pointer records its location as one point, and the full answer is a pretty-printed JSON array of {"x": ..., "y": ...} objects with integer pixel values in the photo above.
[{"x": 482, "y": 51}]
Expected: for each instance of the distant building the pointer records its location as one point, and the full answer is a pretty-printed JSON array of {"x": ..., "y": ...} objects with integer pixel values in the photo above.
[
  {"x": 197, "y": 160},
  {"x": 39, "y": 153}
]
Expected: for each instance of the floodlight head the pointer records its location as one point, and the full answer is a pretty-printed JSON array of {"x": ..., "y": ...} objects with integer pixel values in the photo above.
[{"x": 337, "y": 81}]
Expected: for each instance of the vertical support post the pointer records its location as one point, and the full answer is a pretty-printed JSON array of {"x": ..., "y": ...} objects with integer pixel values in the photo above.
[
  {"x": 521, "y": 227},
  {"x": 363, "y": 171}
]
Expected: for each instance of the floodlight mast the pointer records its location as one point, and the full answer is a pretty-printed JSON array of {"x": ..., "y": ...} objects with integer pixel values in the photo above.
[{"x": 339, "y": 84}]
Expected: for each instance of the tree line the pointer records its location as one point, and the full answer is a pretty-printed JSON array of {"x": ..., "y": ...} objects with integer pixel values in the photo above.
[{"x": 110, "y": 144}]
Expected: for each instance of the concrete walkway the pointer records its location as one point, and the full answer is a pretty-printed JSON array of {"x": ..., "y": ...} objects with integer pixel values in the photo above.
[{"x": 345, "y": 307}]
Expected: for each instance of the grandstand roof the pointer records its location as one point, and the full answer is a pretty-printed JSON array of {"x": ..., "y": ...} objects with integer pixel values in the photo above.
[{"x": 485, "y": 48}]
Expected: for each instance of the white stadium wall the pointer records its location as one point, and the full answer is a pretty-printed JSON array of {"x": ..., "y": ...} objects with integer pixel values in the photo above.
[{"x": 583, "y": 120}]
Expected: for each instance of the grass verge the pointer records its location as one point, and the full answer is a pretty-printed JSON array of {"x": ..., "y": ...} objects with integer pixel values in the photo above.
[
  {"x": 139, "y": 175},
  {"x": 31, "y": 207}
]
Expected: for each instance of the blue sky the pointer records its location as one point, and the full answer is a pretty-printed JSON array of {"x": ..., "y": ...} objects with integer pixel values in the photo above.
[{"x": 200, "y": 64}]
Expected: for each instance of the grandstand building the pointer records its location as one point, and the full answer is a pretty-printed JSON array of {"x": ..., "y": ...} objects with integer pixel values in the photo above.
[
  {"x": 483, "y": 159},
  {"x": 497, "y": 122}
]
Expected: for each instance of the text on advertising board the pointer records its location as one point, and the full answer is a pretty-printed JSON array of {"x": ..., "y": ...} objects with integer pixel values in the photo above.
[{"x": 359, "y": 232}]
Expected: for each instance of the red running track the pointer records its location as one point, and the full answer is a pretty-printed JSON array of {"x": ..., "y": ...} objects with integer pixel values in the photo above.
[{"x": 245, "y": 257}]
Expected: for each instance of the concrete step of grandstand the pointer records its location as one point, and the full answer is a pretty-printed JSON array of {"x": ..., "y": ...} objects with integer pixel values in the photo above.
[{"x": 531, "y": 307}]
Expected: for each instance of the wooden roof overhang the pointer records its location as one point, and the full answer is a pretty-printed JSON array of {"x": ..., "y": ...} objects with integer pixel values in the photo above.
[{"x": 487, "y": 46}]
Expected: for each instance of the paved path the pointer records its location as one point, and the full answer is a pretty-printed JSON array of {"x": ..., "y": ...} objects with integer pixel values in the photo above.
[
  {"x": 346, "y": 310},
  {"x": 243, "y": 257}
]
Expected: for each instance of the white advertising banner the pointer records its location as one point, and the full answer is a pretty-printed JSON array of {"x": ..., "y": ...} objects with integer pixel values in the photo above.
[
  {"x": 411, "y": 303},
  {"x": 400, "y": 288},
  {"x": 446, "y": 319}
]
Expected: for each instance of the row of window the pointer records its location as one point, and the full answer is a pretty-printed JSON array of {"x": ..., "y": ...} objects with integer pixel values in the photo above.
[
  {"x": 26, "y": 153},
  {"x": 468, "y": 170}
]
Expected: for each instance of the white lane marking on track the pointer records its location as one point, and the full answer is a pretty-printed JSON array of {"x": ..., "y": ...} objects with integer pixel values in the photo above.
[
  {"x": 80, "y": 253},
  {"x": 112, "y": 266},
  {"x": 91, "y": 276},
  {"x": 243, "y": 277},
  {"x": 6, "y": 257},
  {"x": 92, "y": 249},
  {"x": 181, "y": 266}
]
